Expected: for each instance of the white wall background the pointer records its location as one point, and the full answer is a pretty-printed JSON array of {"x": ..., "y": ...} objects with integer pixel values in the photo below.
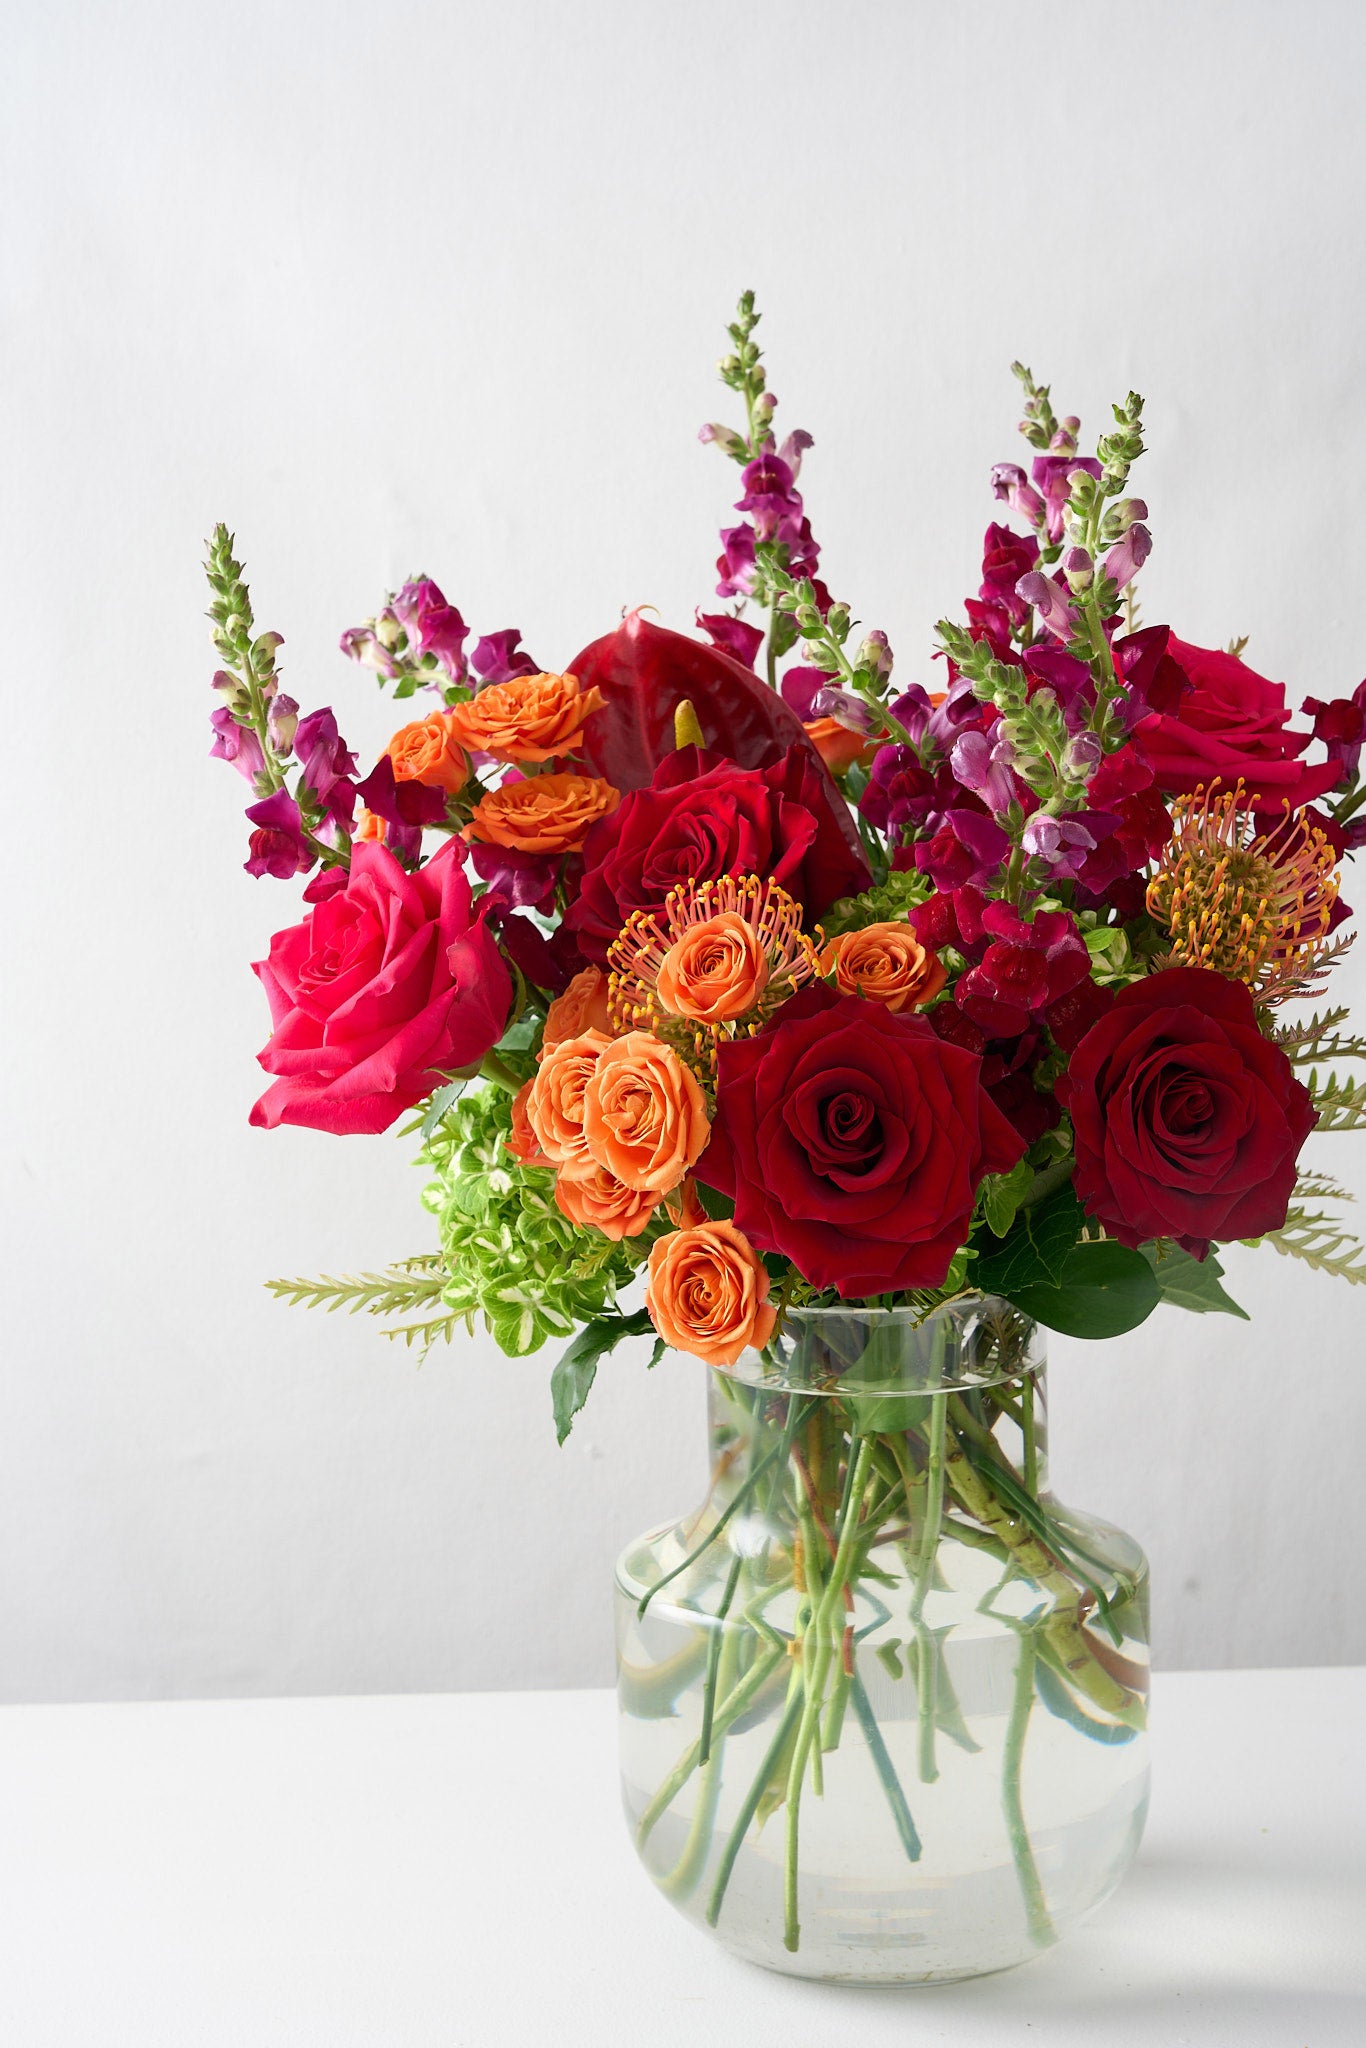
[{"x": 442, "y": 286}]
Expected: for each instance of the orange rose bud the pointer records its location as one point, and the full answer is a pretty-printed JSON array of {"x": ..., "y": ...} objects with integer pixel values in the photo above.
[
  {"x": 601, "y": 1202},
  {"x": 644, "y": 1116},
  {"x": 554, "y": 1106},
  {"x": 543, "y": 814},
  {"x": 886, "y": 963},
  {"x": 837, "y": 746},
  {"x": 717, "y": 970},
  {"x": 531, "y": 718},
  {"x": 707, "y": 1293},
  {"x": 522, "y": 1141},
  {"x": 582, "y": 1007},
  {"x": 429, "y": 752},
  {"x": 370, "y": 826}
]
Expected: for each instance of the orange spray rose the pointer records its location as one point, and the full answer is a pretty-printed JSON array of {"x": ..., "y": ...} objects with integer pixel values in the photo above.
[
  {"x": 543, "y": 814},
  {"x": 554, "y": 1107},
  {"x": 715, "y": 971},
  {"x": 582, "y": 1007},
  {"x": 530, "y": 718},
  {"x": 837, "y": 746},
  {"x": 644, "y": 1116},
  {"x": 707, "y": 1293},
  {"x": 522, "y": 1141},
  {"x": 886, "y": 963},
  {"x": 601, "y": 1202},
  {"x": 429, "y": 752}
]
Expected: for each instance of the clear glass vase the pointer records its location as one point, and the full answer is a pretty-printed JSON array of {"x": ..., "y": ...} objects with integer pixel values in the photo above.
[{"x": 883, "y": 1697}]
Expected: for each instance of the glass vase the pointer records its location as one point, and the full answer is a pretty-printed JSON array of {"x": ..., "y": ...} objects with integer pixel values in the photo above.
[{"x": 882, "y": 1696}]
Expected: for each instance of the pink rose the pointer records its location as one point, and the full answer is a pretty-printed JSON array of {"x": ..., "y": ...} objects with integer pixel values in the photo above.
[{"x": 385, "y": 987}]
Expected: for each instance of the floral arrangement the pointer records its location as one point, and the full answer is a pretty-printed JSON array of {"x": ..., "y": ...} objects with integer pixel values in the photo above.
[{"x": 734, "y": 967}]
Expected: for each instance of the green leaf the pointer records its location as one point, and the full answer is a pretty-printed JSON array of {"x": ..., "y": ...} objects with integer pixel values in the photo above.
[
  {"x": 572, "y": 1379},
  {"x": 1037, "y": 1249},
  {"x": 1001, "y": 1196},
  {"x": 720, "y": 1208},
  {"x": 439, "y": 1104},
  {"x": 1191, "y": 1283},
  {"x": 1105, "y": 1289}
]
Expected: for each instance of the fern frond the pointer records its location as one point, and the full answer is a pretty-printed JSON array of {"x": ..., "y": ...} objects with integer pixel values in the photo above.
[
  {"x": 414, "y": 1283},
  {"x": 1301, "y": 1037},
  {"x": 1319, "y": 1242},
  {"x": 440, "y": 1331},
  {"x": 1340, "y": 1102},
  {"x": 1317, "y": 1187}
]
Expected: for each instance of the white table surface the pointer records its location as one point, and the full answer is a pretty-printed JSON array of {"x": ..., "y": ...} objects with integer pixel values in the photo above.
[{"x": 405, "y": 1872}]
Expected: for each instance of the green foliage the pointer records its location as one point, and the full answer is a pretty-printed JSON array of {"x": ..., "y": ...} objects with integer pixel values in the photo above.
[
  {"x": 1036, "y": 1249},
  {"x": 412, "y": 1283},
  {"x": 1104, "y": 1289},
  {"x": 889, "y": 903},
  {"x": 1318, "y": 1038},
  {"x": 1320, "y": 1242},
  {"x": 400, "y": 1290},
  {"x": 1001, "y": 1194},
  {"x": 511, "y": 1257},
  {"x": 1190, "y": 1283},
  {"x": 572, "y": 1379},
  {"x": 1340, "y": 1102}
]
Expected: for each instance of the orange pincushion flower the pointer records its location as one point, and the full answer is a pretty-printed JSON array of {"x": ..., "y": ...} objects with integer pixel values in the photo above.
[
  {"x": 522, "y": 1141},
  {"x": 1255, "y": 907},
  {"x": 555, "y": 1105},
  {"x": 543, "y": 814},
  {"x": 599, "y": 1201},
  {"x": 676, "y": 971},
  {"x": 644, "y": 1116},
  {"x": 582, "y": 1007},
  {"x": 716, "y": 971},
  {"x": 886, "y": 963},
  {"x": 429, "y": 752},
  {"x": 530, "y": 718},
  {"x": 707, "y": 1293}
]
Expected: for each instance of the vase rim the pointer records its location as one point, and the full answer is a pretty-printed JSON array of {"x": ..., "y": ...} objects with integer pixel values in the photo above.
[{"x": 974, "y": 1340}]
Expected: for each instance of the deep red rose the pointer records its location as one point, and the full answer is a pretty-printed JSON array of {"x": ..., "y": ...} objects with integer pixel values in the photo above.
[
  {"x": 1229, "y": 722},
  {"x": 1188, "y": 1122},
  {"x": 702, "y": 817},
  {"x": 386, "y": 985},
  {"x": 854, "y": 1141}
]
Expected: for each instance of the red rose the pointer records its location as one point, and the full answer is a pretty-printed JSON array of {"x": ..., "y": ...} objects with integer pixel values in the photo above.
[
  {"x": 1229, "y": 722},
  {"x": 1188, "y": 1122},
  {"x": 853, "y": 1140},
  {"x": 385, "y": 986},
  {"x": 701, "y": 817}
]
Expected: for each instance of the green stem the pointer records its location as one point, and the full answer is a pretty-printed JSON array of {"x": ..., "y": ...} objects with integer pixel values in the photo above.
[
  {"x": 718, "y": 1630},
  {"x": 750, "y": 1804},
  {"x": 1031, "y": 1439},
  {"x": 815, "y": 1680},
  {"x": 1026, "y": 1868},
  {"x": 683, "y": 1878},
  {"x": 886, "y": 1770},
  {"x": 740, "y": 1495},
  {"x": 730, "y": 1709}
]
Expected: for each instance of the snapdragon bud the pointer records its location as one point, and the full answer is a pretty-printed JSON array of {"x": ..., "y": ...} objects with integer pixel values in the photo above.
[
  {"x": 725, "y": 438},
  {"x": 1078, "y": 568},
  {"x": 234, "y": 691},
  {"x": 875, "y": 654},
  {"x": 388, "y": 629},
  {"x": 1121, "y": 517},
  {"x": 1081, "y": 756},
  {"x": 767, "y": 404},
  {"x": 837, "y": 619},
  {"x": 282, "y": 723},
  {"x": 263, "y": 650}
]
